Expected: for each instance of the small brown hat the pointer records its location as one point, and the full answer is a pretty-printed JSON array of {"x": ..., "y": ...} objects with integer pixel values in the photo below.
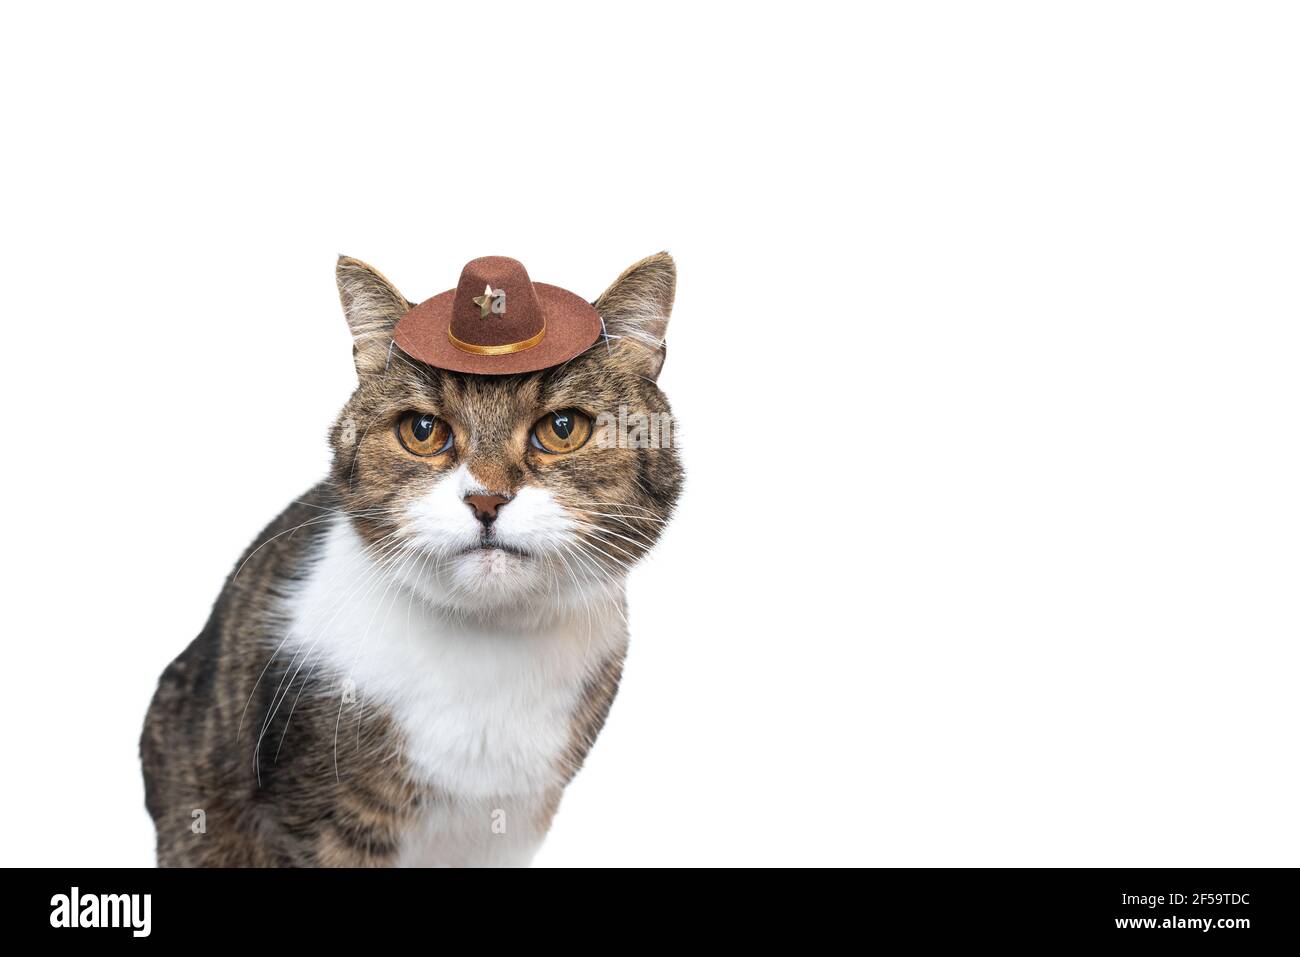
[{"x": 497, "y": 321}]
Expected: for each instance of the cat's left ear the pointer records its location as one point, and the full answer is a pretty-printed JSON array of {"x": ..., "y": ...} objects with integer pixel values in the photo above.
[
  {"x": 635, "y": 310},
  {"x": 372, "y": 306}
]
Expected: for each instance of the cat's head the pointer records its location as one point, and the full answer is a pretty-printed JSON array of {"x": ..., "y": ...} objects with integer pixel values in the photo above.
[{"x": 531, "y": 491}]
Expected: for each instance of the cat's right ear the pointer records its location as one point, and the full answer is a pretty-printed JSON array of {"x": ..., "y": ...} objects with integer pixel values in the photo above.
[{"x": 372, "y": 306}]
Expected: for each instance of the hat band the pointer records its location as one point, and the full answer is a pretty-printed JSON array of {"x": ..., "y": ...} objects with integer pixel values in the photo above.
[{"x": 501, "y": 350}]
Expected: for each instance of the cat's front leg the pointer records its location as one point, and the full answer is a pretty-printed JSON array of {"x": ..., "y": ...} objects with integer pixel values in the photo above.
[{"x": 360, "y": 835}]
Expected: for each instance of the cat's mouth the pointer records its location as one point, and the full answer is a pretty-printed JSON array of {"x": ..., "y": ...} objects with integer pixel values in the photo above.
[{"x": 487, "y": 546}]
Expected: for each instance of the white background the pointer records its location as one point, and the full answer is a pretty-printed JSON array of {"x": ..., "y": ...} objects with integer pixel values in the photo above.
[{"x": 985, "y": 355}]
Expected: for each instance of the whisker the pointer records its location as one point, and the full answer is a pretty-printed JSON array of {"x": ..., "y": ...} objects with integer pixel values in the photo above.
[{"x": 277, "y": 698}]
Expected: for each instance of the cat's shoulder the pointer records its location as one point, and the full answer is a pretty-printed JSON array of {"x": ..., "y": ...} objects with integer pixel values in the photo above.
[{"x": 282, "y": 550}]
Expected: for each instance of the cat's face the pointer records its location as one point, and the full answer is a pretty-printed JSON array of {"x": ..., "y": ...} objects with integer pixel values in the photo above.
[{"x": 527, "y": 492}]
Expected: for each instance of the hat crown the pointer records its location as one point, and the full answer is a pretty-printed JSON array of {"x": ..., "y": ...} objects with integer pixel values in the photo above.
[{"x": 495, "y": 305}]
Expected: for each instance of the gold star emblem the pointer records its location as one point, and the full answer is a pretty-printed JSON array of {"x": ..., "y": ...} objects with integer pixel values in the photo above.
[{"x": 484, "y": 302}]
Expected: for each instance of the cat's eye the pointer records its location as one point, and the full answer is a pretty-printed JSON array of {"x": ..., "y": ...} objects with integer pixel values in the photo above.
[
  {"x": 560, "y": 432},
  {"x": 424, "y": 434}
]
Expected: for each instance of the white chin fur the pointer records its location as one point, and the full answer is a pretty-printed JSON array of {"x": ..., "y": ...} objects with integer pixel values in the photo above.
[{"x": 447, "y": 569}]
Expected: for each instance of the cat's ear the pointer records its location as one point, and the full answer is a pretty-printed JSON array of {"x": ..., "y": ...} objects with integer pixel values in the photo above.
[
  {"x": 635, "y": 310},
  {"x": 372, "y": 306}
]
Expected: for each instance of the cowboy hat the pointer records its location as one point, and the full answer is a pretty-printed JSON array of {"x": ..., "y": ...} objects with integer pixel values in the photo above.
[{"x": 497, "y": 321}]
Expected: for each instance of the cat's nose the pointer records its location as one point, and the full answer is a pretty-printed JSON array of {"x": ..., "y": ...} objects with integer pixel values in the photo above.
[{"x": 485, "y": 506}]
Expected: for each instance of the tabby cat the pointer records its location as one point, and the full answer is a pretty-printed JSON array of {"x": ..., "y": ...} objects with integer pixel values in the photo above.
[{"x": 412, "y": 661}]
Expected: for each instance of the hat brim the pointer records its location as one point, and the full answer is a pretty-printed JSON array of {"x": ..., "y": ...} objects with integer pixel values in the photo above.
[{"x": 572, "y": 327}]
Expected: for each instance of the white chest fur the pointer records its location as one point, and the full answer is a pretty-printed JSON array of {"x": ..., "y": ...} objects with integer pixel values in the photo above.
[{"x": 486, "y": 713}]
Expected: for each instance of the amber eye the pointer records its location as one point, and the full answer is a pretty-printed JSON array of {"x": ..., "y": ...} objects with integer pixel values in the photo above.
[
  {"x": 560, "y": 432},
  {"x": 424, "y": 434}
]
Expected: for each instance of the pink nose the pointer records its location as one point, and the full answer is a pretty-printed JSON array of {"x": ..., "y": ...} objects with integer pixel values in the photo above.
[{"x": 485, "y": 506}]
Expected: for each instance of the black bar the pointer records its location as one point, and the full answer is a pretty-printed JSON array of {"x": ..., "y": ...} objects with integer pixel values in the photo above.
[{"x": 1232, "y": 908}]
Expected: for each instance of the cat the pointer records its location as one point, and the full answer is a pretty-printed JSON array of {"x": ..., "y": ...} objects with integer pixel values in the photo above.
[{"x": 411, "y": 662}]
